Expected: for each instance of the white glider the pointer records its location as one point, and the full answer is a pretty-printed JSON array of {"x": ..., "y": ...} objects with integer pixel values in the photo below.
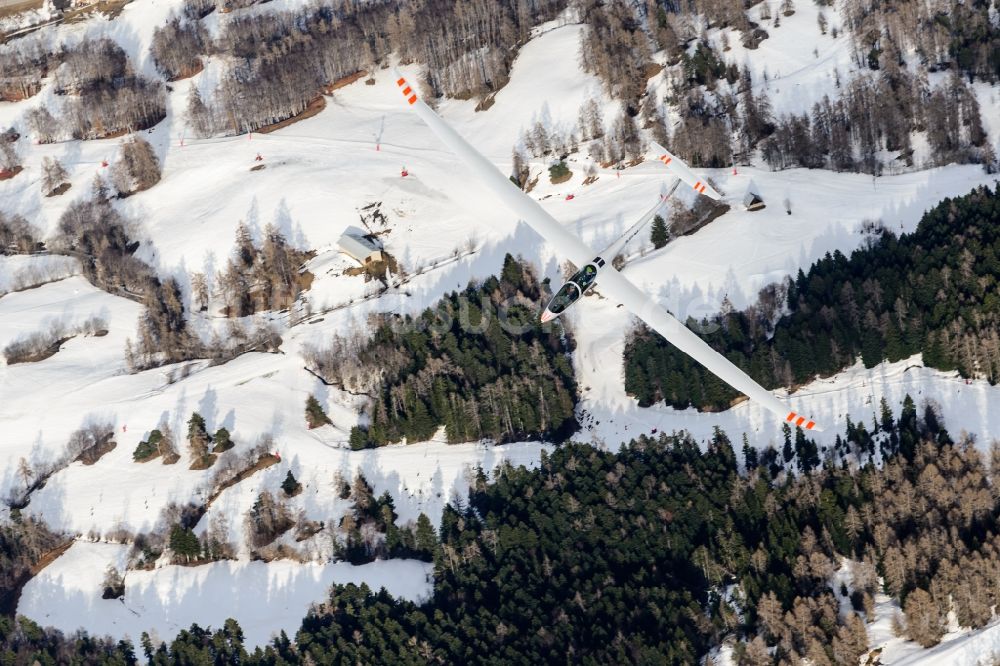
[
  {"x": 682, "y": 171},
  {"x": 614, "y": 285}
]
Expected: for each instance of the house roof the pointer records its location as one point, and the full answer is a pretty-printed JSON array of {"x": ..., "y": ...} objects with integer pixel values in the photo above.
[
  {"x": 357, "y": 244},
  {"x": 752, "y": 194}
]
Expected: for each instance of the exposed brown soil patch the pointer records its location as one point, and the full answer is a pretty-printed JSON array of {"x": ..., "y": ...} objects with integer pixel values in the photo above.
[
  {"x": 42, "y": 354},
  {"x": 95, "y": 453},
  {"x": 204, "y": 462},
  {"x": 189, "y": 72},
  {"x": 376, "y": 270},
  {"x": 7, "y": 174},
  {"x": 262, "y": 463},
  {"x": 344, "y": 81},
  {"x": 651, "y": 70},
  {"x": 486, "y": 103},
  {"x": 714, "y": 214},
  {"x": 62, "y": 189},
  {"x": 153, "y": 456},
  {"x": 312, "y": 108},
  {"x": 18, "y": 7}
]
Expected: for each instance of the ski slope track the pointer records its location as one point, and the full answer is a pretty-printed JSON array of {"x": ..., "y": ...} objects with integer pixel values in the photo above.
[{"x": 319, "y": 174}]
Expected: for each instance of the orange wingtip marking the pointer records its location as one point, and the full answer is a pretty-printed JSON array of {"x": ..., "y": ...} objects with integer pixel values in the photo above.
[
  {"x": 696, "y": 185},
  {"x": 701, "y": 189},
  {"x": 799, "y": 421},
  {"x": 407, "y": 90},
  {"x": 791, "y": 415},
  {"x": 413, "y": 98},
  {"x": 666, "y": 160},
  {"x": 401, "y": 82},
  {"x": 810, "y": 425}
]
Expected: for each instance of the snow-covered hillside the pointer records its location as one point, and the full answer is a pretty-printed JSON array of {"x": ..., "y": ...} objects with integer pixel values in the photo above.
[
  {"x": 264, "y": 598},
  {"x": 958, "y": 646},
  {"x": 319, "y": 173}
]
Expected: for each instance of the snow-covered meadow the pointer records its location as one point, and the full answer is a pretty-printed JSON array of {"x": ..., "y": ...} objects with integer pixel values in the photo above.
[
  {"x": 271, "y": 597},
  {"x": 319, "y": 173}
]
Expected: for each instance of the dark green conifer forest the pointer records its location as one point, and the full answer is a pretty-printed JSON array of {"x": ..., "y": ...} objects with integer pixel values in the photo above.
[
  {"x": 932, "y": 291},
  {"x": 479, "y": 363}
]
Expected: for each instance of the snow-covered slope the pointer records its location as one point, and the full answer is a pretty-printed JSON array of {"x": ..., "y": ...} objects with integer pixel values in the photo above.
[
  {"x": 960, "y": 647},
  {"x": 797, "y": 65},
  {"x": 265, "y": 598},
  {"x": 318, "y": 174}
]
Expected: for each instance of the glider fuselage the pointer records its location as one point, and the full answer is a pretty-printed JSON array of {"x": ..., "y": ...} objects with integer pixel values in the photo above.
[{"x": 573, "y": 289}]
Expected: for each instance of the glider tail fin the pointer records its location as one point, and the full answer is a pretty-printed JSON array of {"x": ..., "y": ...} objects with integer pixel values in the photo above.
[{"x": 677, "y": 167}]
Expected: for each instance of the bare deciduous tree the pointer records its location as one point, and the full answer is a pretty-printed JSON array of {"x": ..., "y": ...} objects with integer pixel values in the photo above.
[
  {"x": 10, "y": 159},
  {"x": 43, "y": 124},
  {"x": 137, "y": 168},
  {"x": 53, "y": 175},
  {"x": 924, "y": 620},
  {"x": 104, "y": 95},
  {"x": 199, "y": 116},
  {"x": 16, "y": 235},
  {"x": 176, "y": 47},
  {"x": 199, "y": 292}
]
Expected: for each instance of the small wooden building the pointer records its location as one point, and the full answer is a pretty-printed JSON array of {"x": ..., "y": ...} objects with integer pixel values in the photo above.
[
  {"x": 361, "y": 246},
  {"x": 753, "y": 200}
]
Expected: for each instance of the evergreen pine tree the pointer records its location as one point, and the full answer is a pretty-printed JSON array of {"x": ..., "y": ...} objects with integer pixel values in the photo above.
[
  {"x": 315, "y": 416},
  {"x": 426, "y": 539},
  {"x": 749, "y": 455},
  {"x": 806, "y": 451},
  {"x": 184, "y": 543},
  {"x": 198, "y": 441},
  {"x": 290, "y": 485},
  {"x": 658, "y": 235},
  {"x": 223, "y": 441},
  {"x": 358, "y": 439},
  {"x": 908, "y": 432}
]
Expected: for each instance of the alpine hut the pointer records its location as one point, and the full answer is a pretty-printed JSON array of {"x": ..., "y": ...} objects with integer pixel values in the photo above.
[
  {"x": 361, "y": 246},
  {"x": 753, "y": 200}
]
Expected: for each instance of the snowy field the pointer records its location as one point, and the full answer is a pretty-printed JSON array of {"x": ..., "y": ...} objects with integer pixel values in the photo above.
[
  {"x": 264, "y": 598},
  {"x": 319, "y": 173},
  {"x": 973, "y": 408},
  {"x": 958, "y": 647}
]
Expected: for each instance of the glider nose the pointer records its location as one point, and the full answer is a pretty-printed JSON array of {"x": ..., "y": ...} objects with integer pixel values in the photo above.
[{"x": 547, "y": 316}]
